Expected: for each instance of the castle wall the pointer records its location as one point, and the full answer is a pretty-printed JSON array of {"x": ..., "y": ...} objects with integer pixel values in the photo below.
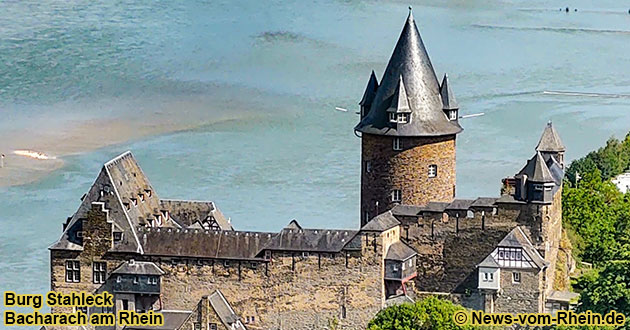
[{"x": 406, "y": 170}]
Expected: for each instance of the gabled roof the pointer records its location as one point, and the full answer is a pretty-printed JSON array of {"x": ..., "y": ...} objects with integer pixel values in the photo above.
[
  {"x": 224, "y": 311},
  {"x": 489, "y": 262},
  {"x": 400, "y": 251},
  {"x": 138, "y": 268},
  {"x": 381, "y": 222},
  {"x": 293, "y": 225},
  {"x": 370, "y": 91},
  {"x": 400, "y": 103},
  {"x": 411, "y": 62},
  {"x": 448, "y": 97},
  {"x": 536, "y": 170},
  {"x": 550, "y": 140},
  {"x": 517, "y": 239}
]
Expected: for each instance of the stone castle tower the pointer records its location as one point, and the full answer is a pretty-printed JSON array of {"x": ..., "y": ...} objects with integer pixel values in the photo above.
[{"x": 408, "y": 127}]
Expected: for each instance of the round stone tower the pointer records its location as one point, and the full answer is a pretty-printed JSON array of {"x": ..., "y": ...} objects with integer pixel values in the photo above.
[{"x": 408, "y": 127}]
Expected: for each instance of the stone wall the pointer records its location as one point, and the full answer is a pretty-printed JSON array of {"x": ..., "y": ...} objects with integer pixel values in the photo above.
[
  {"x": 523, "y": 297},
  {"x": 406, "y": 170}
]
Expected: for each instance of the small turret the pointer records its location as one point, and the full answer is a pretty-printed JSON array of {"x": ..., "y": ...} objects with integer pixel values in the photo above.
[
  {"x": 535, "y": 182},
  {"x": 449, "y": 103},
  {"x": 550, "y": 144},
  {"x": 368, "y": 95}
]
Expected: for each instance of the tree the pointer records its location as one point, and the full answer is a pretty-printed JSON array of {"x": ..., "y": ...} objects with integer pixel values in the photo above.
[
  {"x": 607, "y": 289},
  {"x": 428, "y": 314}
]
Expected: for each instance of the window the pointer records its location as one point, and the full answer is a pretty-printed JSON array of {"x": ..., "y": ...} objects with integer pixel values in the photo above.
[
  {"x": 432, "y": 171},
  {"x": 253, "y": 319},
  {"x": 485, "y": 276},
  {"x": 452, "y": 115},
  {"x": 368, "y": 166},
  {"x": 392, "y": 117},
  {"x": 396, "y": 195},
  {"x": 403, "y": 266},
  {"x": 118, "y": 279},
  {"x": 213, "y": 326},
  {"x": 267, "y": 255},
  {"x": 99, "y": 271},
  {"x": 538, "y": 187},
  {"x": 118, "y": 236},
  {"x": 410, "y": 264},
  {"x": 516, "y": 277},
  {"x": 134, "y": 202},
  {"x": 491, "y": 277},
  {"x": 197, "y": 326},
  {"x": 548, "y": 188},
  {"x": 127, "y": 206},
  {"x": 153, "y": 280},
  {"x": 148, "y": 192},
  {"x": 397, "y": 144},
  {"x": 73, "y": 271},
  {"x": 141, "y": 197},
  {"x": 82, "y": 309},
  {"x": 135, "y": 280},
  {"x": 79, "y": 234}
]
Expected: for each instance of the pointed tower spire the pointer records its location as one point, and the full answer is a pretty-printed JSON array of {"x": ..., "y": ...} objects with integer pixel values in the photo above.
[
  {"x": 448, "y": 98},
  {"x": 537, "y": 170},
  {"x": 400, "y": 102},
  {"x": 368, "y": 95},
  {"x": 411, "y": 61},
  {"x": 550, "y": 140}
]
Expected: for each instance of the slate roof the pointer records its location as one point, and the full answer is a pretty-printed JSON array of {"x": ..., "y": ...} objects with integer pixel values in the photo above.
[
  {"x": 484, "y": 202},
  {"x": 448, "y": 97},
  {"x": 293, "y": 225},
  {"x": 536, "y": 170},
  {"x": 460, "y": 204},
  {"x": 370, "y": 91},
  {"x": 239, "y": 245},
  {"x": 550, "y": 140},
  {"x": 435, "y": 207},
  {"x": 125, "y": 193},
  {"x": 406, "y": 210},
  {"x": 489, "y": 262},
  {"x": 225, "y": 311},
  {"x": 138, "y": 268},
  {"x": 400, "y": 251},
  {"x": 311, "y": 240},
  {"x": 381, "y": 222},
  {"x": 172, "y": 320},
  {"x": 517, "y": 238},
  {"x": 411, "y": 62}
]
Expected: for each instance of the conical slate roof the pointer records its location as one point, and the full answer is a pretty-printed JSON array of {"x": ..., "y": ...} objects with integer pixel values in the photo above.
[
  {"x": 537, "y": 170},
  {"x": 411, "y": 62},
  {"x": 448, "y": 98},
  {"x": 370, "y": 91},
  {"x": 550, "y": 140}
]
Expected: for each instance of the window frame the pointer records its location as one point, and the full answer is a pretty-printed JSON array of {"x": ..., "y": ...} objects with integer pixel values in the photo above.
[
  {"x": 397, "y": 144},
  {"x": 99, "y": 272},
  {"x": 516, "y": 277},
  {"x": 73, "y": 271},
  {"x": 432, "y": 171},
  {"x": 396, "y": 196}
]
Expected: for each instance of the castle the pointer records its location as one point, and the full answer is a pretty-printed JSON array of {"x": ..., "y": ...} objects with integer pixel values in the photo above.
[{"x": 185, "y": 259}]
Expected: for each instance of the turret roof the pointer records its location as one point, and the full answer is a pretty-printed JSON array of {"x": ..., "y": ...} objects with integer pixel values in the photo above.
[
  {"x": 411, "y": 62},
  {"x": 448, "y": 97},
  {"x": 550, "y": 140}
]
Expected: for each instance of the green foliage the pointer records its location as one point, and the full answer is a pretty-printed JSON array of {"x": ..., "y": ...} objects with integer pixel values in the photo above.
[
  {"x": 428, "y": 314},
  {"x": 607, "y": 290},
  {"x": 611, "y": 160},
  {"x": 599, "y": 214},
  {"x": 333, "y": 324}
]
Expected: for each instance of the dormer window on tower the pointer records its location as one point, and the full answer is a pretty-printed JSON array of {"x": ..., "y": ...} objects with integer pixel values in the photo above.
[
  {"x": 397, "y": 144},
  {"x": 449, "y": 104},
  {"x": 452, "y": 114},
  {"x": 399, "y": 110}
]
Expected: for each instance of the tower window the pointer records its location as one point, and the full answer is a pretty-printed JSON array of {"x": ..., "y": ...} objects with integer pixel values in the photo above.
[
  {"x": 432, "y": 171},
  {"x": 452, "y": 115},
  {"x": 396, "y": 195},
  {"x": 73, "y": 271},
  {"x": 99, "y": 271},
  {"x": 397, "y": 144},
  {"x": 516, "y": 277},
  {"x": 368, "y": 166},
  {"x": 401, "y": 118}
]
